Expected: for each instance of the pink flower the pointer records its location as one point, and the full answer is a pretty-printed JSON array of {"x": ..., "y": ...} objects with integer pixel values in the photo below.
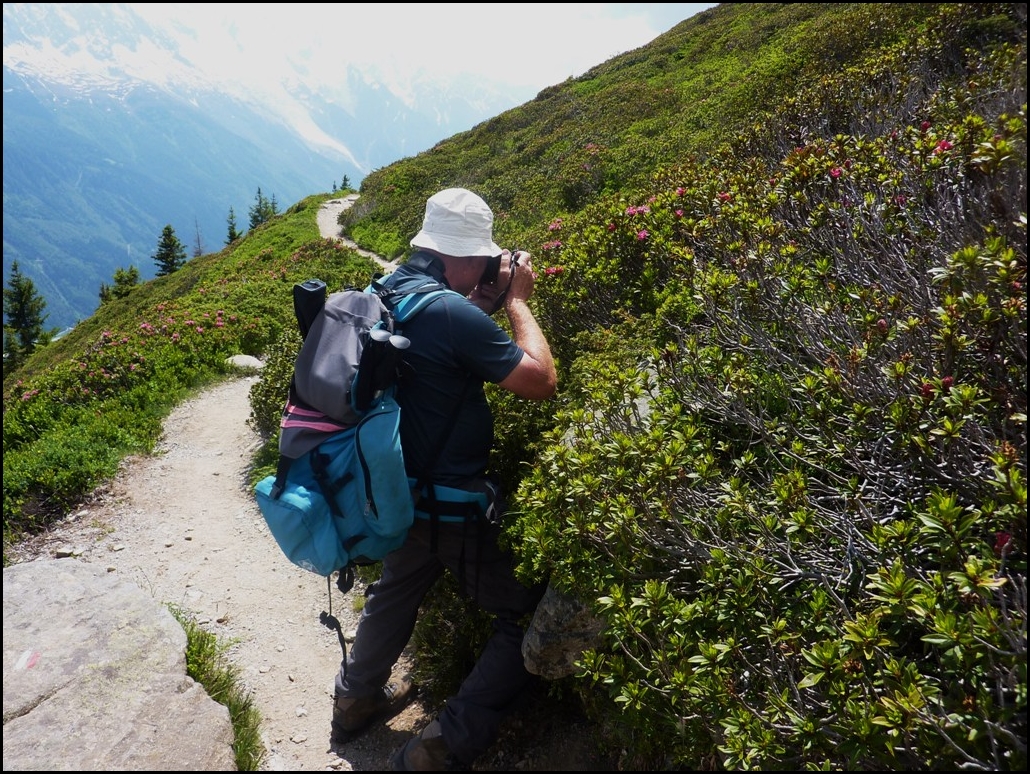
[
  {"x": 926, "y": 390},
  {"x": 551, "y": 270},
  {"x": 946, "y": 383},
  {"x": 680, "y": 191},
  {"x": 679, "y": 213},
  {"x": 924, "y": 126},
  {"x": 881, "y": 325},
  {"x": 642, "y": 234},
  {"x": 942, "y": 146},
  {"x": 835, "y": 172},
  {"x": 724, "y": 197},
  {"x": 611, "y": 226},
  {"x": 1002, "y": 540},
  {"x": 555, "y": 225}
]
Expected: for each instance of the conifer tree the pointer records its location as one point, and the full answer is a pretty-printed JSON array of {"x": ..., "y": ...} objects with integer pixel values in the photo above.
[
  {"x": 198, "y": 242},
  {"x": 259, "y": 210},
  {"x": 263, "y": 209},
  {"x": 125, "y": 281},
  {"x": 233, "y": 233},
  {"x": 170, "y": 255},
  {"x": 24, "y": 316}
]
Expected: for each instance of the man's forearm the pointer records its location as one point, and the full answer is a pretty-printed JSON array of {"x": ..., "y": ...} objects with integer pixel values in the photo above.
[{"x": 527, "y": 334}]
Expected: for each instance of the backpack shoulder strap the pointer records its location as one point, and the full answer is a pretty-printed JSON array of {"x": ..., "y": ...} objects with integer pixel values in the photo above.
[
  {"x": 405, "y": 296},
  {"x": 413, "y": 303}
]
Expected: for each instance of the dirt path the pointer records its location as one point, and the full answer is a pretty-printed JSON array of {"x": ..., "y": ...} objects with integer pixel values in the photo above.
[
  {"x": 185, "y": 527},
  {"x": 329, "y": 227}
]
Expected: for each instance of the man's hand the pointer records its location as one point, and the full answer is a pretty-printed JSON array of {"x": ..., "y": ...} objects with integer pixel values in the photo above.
[
  {"x": 487, "y": 297},
  {"x": 520, "y": 279},
  {"x": 514, "y": 280}
]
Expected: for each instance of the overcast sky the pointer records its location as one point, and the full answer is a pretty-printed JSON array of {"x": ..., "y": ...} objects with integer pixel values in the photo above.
[{"x": 525, "y": 45}]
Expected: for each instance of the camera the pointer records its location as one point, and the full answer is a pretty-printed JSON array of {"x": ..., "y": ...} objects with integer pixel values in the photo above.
[{"x": 493, "y": 267}]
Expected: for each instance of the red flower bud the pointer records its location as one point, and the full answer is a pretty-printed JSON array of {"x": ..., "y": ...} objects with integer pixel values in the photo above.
[{"x": 1001, "y": 542}]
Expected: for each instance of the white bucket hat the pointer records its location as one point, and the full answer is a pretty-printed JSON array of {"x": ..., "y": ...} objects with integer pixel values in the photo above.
[{"x": 457, "y": 223}]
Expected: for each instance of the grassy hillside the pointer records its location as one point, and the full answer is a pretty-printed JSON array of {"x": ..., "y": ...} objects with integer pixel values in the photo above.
[
  {"x": 688, "y": 92},
  {"x": 782, "y": 264}
]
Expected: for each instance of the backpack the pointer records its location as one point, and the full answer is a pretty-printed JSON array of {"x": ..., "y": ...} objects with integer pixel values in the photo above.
[{"x": 340, "y": 496}]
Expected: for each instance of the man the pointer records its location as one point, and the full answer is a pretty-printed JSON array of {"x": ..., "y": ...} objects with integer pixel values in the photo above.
[{"x": 455, "y": 348}]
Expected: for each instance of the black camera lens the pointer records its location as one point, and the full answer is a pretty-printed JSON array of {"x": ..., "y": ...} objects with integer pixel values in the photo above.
[{"x": 493, "y": 268}]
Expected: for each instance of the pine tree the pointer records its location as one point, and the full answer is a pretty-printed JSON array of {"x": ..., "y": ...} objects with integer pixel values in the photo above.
[
  {"x": 24, "y": 316},
  {"x": 125, "y": 281},
  {"x": 233, "y": 233},
  {"x": 263, "y": 209},
  {"x": 170, "y": 255},
  {"x": 198, "y": 242},
  {"x": 259, "y": 210}
]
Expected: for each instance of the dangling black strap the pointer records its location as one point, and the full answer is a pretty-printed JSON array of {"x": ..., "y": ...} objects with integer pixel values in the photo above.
[
  {"x": 320, "y": 468},
  {"x": 282, "y": 469},
  {"x": 330, "y": 621}
]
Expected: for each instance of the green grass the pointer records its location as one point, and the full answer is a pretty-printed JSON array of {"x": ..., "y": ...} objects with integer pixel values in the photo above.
[{"x": 206, "y": 663}]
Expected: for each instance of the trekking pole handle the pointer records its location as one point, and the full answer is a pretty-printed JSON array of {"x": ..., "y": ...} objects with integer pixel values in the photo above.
[{"x": 386, "y": 370}]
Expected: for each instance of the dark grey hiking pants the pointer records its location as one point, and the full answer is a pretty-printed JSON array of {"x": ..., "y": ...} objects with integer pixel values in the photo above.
[{"x": 471, "y": 718}]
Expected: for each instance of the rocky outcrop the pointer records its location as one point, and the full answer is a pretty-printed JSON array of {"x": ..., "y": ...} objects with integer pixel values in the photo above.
[
  {"x": 95, "y": 678},
  {"x": 562, "y": 628}
]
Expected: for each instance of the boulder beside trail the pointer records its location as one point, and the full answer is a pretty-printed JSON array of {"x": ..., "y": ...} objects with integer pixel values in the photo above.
[{"x": 95, "y": 678}]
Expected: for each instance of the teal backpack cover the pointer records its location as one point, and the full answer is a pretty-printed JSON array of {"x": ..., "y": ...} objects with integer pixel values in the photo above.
[{"x": 340, "y": 496}]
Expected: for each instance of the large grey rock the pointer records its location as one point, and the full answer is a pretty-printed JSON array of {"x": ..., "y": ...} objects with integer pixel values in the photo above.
[
  {"x": 246, "y": 362},
  {"x": 95, "y": 678},
  {"x": 561, "y": 630}
]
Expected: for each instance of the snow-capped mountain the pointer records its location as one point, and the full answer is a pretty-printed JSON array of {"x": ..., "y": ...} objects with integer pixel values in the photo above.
[{"x": 111, "y": 132}]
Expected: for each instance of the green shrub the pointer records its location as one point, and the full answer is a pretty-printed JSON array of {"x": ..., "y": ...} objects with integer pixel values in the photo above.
[{"x": 800, "y": 512}]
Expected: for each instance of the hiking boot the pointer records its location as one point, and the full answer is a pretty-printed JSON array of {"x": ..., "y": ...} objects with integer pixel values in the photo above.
[
  {"x": 425, "y": 752},
  {"x": 352, "y": 716}
]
